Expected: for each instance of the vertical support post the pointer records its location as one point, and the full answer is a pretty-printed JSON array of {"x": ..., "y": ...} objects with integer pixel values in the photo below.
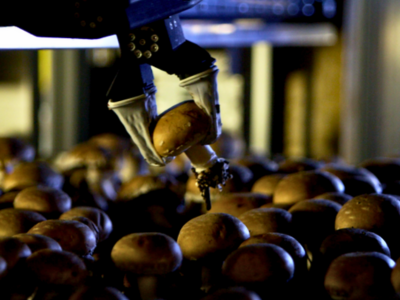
[
  {"x": 63, "y": 88},
  {"x": 260, "y": 99}
]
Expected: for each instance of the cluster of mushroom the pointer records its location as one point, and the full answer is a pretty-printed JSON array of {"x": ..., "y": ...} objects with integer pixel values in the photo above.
[{"x": 102, "y": 225}]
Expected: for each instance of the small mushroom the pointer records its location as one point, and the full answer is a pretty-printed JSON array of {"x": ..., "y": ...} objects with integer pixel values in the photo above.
[
  {"x": 48, "y": 201},
  {"x": 147, "y": 259},
  {"x": 72, "y": 236},
  {"x": 28, "y": 174},
  {"x": 14, "y": 221},
  {"x": 205, "y": 242}
]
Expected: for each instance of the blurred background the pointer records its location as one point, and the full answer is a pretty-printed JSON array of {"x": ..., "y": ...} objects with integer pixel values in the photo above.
[{"x": 314, "y": 78}]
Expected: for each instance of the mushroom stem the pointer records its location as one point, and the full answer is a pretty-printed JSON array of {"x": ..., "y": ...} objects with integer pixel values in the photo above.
[
  {"x": 202, "y": 157},
  {"x": 210, "y": 170}
]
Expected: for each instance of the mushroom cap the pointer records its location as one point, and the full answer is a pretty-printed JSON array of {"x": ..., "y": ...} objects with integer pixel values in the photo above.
[
  {"x": 147, "y": 254},
  {"x": 236, "y": 204},
  {"x": 72, "y": 236},
  {"x": 97, "y": 216},
  {"x": 85, "y": 155},
  {"x": 179, "y": 128},
  {"x": 97, "y": 293},
  {"x": 212, "y": 235},
  {"x": 287, "y": 242},
  {"x": 267, "y": 184},
  {"x": 7, "y": 200},
  {"x": 386, "y": 169},
  {"x": 356, "y": 181},
  {"x": 261, "y": 263},
  {"x": 46, "y": 200},
  {"x": 112, "y": 142},
  {"x": 29, "y": 174},
  {"x": 3, "y": 267},
  {"x": 56, "y": 267},
  {"x": 395, "y": 277},
  {"x": 340, "y": 198},
  {"x": 306, "y": 185},
  {"x": 13, "y": 250},
  {"x": 264, "y": 220},
  {"x": 259, "y": 166},
  {"x": 144, "y": 184},
  {"x": 373, "y": 212},
  {"x": 360, "y": 275},
  {"x": 38, "y": 242},
  {"x": 15, "y": 221},
  {"x": 349, "y": 240},
  {"x": 294, "y": 165},
  {"x": 313, "y": 220},
  {"x": 14, "y": 150}
]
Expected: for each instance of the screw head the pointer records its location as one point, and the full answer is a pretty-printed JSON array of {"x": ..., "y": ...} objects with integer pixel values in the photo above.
[
  {"x": 131, "y": 46},
  {"x": 132, "y": 37},
  {"x": 147, "y": 54},
  {"x": 142, "y": 42},
  {"x": 154, "y": 38},
  {"x": 154, "y": 48},
  {"x": 138, "y": 53}
]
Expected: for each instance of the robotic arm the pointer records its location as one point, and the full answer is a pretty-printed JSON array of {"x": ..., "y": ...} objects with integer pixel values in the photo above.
[{"x": 149, "y": 34}]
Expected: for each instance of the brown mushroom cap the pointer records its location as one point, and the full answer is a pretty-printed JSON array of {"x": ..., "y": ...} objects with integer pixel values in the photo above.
[
  {"x": 72, "y": 236},
  {"x": 97, "y": 293},
  {"x": 144, "y": 184},
  {"x": 14, "y": 221},
  {"x": 15, "y": 150},
  {"x": 32, "y": 174},
  {"x": 340, "y": 198},
  {"x": 7, "y": 200},
  {"x": 97, "y": 216},
  {"x": 38, "y": 242},
  {"x": 13, "y": 250},
  {"x": 267, "y": 184},
  {"x": 45, "y": 200},
  {"x": 349, "y": 240},
  {"x": 211, "y": 235},
  {"x": 395, "y": 277},
  {"x": 261, "y": 263},
  {"x": 349, "y": 175},
  {"x": 294, "y": 165},
  {"x": 234, "y": 293},
  {"x": 313, "y": 220},
  {"x": 264, "y": 220},
  {"x": 360, "y": 275},
  {"x": 287, "y": 242},
  {"x": 236, "y": 204},
  {"x": 386, "y": 169},
  {"x": 259, "y": 166},
  {"x": 306, "y": 185},
  {"x": 114, "y": 143},
  {"x": 85, "y": 155},
  {"x": 56, "y": 267},
  {"x": 147, "y": 254},
  {"x": 3, "y": 267},
  {"x": 374, "y": 212},
  {"x": 179, "y": 128}
]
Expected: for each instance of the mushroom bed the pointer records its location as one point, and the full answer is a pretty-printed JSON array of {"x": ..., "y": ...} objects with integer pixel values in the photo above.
[{"x": 99, "y": 223}]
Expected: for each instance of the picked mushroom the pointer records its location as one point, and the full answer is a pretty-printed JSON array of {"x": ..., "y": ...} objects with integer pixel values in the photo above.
[{"x": 181, "y": 129}]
